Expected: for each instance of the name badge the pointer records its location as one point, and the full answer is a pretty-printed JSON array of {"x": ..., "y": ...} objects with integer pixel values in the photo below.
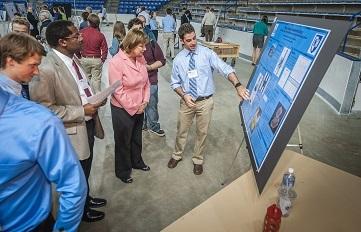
[
  {"x": 83, "y": 83},
  {"x": 192, "y": 73}
]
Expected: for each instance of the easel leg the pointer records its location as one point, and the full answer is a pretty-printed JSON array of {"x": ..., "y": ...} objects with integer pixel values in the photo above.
[
  {"x": 234, "y": 159},
  {"x": 300, "y": 144}
]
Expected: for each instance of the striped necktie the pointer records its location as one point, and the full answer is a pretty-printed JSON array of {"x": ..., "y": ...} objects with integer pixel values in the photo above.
[{"x": 192, "y": 81}]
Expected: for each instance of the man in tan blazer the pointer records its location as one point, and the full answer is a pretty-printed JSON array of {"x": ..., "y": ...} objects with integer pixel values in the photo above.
[{"x": 62, "y": 87}]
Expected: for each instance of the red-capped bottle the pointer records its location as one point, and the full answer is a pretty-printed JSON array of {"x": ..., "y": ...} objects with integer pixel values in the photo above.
[{"x": 272, "y": 220}]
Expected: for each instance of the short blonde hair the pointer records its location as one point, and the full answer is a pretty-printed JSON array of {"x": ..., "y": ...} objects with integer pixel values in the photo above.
[{"x": 132, "y": 39}]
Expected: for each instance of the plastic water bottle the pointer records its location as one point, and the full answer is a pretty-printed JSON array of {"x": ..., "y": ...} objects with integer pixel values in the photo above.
[{"x": 287, "y": 192}]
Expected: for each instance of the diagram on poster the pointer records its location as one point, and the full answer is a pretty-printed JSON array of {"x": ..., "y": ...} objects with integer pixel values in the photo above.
[{"x": 287, "y": 58}]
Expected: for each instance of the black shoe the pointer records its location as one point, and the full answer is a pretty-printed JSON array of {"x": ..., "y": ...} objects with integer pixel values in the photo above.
[
  {"x": 92, "y": 215},
  {"x": 127, "y": 180},
  {"x": 97, "y": 202},
  {"x": 160, "y": 132},
  {"x": 146, "y": 168}
]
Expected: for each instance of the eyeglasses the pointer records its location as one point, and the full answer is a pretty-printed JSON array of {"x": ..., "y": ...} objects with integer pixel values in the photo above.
[{"x": 76, "y": 36}]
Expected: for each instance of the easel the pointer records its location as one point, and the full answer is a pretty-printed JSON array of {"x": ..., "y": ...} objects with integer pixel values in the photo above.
[{"x": 300, "y": 145}]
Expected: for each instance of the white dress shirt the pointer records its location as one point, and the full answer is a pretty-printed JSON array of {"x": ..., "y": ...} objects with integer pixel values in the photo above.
[{"x": 69, "y": 64}]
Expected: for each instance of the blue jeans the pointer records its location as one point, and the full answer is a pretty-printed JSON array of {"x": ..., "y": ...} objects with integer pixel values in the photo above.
[{"x": 151, "y": 115}]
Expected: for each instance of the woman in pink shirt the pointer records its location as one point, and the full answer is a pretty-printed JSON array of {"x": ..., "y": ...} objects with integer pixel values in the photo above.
[{"x": 128, "y": 103}]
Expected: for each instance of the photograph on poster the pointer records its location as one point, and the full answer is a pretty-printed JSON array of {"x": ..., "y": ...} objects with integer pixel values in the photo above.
[
  {"x": 284, "y": 77},
  {"x": 255, "y": 119},
  {"x": 277, "y": 117},
  {"x": 264, "y": 83},
  {"x": 282, "y": 61},
  {"x": 300, "y": 69},
  {"x": 290, "y": 89},
  {"x": 272, "y": 50}
]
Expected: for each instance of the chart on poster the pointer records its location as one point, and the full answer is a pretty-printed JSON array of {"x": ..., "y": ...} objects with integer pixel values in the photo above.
[{"x": 286, "y": 60}]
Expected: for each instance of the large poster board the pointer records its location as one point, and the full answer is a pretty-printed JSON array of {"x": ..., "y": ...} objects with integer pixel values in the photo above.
[{"x": 292, "y": 64}]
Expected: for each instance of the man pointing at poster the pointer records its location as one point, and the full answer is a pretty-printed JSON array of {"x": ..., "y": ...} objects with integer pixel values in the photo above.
[{"x": 192, "y": 80}]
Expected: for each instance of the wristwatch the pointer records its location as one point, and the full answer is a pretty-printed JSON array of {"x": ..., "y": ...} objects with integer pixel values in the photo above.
[{"x": 237, "y": 85}]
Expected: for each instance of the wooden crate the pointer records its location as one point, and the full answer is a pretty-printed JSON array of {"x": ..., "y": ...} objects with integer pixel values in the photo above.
[{"x": 224, "y": 50}]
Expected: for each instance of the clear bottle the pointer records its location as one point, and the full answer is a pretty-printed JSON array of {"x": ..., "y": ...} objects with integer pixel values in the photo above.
[{"x": 286, "y": 192}]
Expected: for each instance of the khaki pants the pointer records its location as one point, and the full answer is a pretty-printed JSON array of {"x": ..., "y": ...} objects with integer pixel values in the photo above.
[
  {"x": 203, "y": 113},
  {"x": 168, "y": 38},
  {"x": 208, "y": 31},
  {"x": 93, "y": 70}
]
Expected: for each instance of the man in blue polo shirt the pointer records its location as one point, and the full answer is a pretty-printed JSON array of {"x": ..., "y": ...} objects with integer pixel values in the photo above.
[{"x": 192, "y": 80}]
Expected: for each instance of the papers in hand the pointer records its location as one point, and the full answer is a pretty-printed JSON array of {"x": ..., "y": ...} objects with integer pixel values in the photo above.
[{"x": 101, "y": 96}]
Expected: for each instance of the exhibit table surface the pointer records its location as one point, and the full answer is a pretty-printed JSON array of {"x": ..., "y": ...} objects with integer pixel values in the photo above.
[{"x": 328, "y": 200}]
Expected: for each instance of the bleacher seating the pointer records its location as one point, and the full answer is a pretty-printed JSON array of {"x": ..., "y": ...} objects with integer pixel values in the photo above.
[
  {"x": 128, "y": 7},
  {"x": 241, "y": 15},
  {"x": 79, "y": 4}
]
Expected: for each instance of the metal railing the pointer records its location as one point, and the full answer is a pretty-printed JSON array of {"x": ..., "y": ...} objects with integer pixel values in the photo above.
[{"x": 356, "y": 24}]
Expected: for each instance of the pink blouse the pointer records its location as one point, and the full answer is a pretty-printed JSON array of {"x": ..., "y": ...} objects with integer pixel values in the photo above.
[{"x": 134, "y": 82}]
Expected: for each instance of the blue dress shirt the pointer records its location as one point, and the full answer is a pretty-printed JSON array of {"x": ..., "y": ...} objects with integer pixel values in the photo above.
[
  {"x": 10, "y": 85},
  {"x": 153, "y": 24},
  {"x": 168, "y": 24},
  {"x": 206, "y": 61},
  {"x": 35, "y": 151}
]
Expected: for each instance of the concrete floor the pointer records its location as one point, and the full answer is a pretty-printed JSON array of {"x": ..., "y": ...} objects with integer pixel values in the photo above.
[{"x": 157, "y": 198}]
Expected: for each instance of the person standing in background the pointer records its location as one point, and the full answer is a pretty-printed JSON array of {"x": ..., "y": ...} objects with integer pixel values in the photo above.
[
  {"x": 155, "y": 59},
  {"x": 85, "y": 23},
  {"x": 33, "y": 21},
  {"x": 62, "y": 13},
  {"x": 94, "y": 52},
  {"x": 118, "y": 36},
  {"x": 89, "y": 9},
  {"x": 56, "y": 14},
  {"x": 137, "y": 11},
  {"x": 128, "y": 103},
  {"x": 208, "y": 22},
  {"x": 186, "y": 17},
  {"x": 145, "y": 14},
  {"x": 153, "y": 23},
  {"x": 169, "y": 27},
  {"x": 20, "y": 25},
  {"x": 260, "y": 31},
  {"x": 104, "y": 16}
]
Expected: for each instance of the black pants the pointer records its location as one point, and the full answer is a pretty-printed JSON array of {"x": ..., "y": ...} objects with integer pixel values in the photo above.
[
  {"x": 87, "y": 163},
  {"x": 47, "y": 225},
  {"x": 128, "y": 141}
]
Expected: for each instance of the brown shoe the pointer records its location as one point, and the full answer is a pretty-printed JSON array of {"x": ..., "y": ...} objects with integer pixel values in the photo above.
[
  {"x": 173, "y": 163},
  {"x": 198, "y": 169}
]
